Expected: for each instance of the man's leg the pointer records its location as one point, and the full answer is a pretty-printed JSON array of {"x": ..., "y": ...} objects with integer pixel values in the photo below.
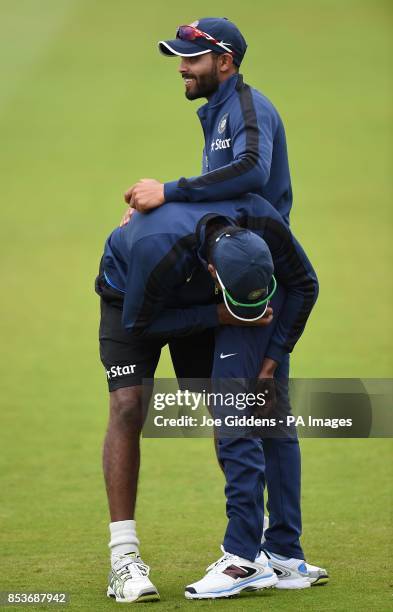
[
  {"x": 283, "y": 476},
  {"x": 192, "y": 359},
  {"x": 121, "y": 451},
  {"x": 192, "y": 356},
  {"x": 129, "y": 577},
  {"x": 239, "y": 352},
  {"x": 127, "y": 361},
  {"x": 281, "y": 455},
  {"x": 244, "y": 468},
  {"x": 241, "y": 456},
  {"x": 242, "y": 567}
]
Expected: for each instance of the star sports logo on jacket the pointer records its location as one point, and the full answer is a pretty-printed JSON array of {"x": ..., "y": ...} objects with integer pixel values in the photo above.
[
  {"x": 220, "y": 143},
  {"x": 116, "y": 371}
]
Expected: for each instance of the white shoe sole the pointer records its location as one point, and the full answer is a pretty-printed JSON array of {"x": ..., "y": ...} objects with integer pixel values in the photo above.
[
  {"x": 146, "y": 595},
  {"x": 256, "y": 585},
  {"x": 293, "y": 583}
]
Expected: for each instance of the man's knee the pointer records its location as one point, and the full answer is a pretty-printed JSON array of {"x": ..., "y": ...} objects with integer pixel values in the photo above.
[{"x": 126, "y": 407}]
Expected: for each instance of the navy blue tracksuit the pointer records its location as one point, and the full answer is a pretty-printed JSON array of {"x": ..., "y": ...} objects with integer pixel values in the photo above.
[
  {"x": 250, "y": 463},
  {"x": 245, "y": 150},
  {"x": 157, "y": 261}
]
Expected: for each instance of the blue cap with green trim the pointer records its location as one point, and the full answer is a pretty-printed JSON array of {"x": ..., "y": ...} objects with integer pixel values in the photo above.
[{"x": 244, "y": 268}]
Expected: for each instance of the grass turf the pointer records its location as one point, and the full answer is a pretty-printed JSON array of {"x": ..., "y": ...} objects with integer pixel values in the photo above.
[{"x": 87, "y": 107}]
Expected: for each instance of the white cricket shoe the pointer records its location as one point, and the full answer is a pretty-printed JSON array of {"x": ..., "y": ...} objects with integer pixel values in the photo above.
[
  {"x": 128, "y": 580},
  {"x": 316, "y": 575},
  {"x": 291, "y": 573},
  {"x": 230, "y": 575}
]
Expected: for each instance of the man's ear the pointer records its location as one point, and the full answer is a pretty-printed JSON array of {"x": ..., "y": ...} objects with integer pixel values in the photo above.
[
  {"x": 212, "y": 271},
  {"x": 225, "y": 62}
]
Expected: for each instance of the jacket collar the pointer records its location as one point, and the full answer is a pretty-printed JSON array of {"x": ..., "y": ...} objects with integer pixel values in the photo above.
[{"x": 222, "y": 93}]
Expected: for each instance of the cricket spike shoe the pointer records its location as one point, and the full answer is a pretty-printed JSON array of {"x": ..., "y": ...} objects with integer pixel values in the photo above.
[
  {"x": 291, "y": 573},
  {"x": 129, "y": 580},
  {"x": 230, "y": 575},
  {"x": 317, "y": 576}
]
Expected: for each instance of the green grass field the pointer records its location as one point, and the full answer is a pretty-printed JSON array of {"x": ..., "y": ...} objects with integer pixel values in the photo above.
[{"x": 87, "y": 106}]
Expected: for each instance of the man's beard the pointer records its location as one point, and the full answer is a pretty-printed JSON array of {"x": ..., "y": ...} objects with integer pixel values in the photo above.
[{"x": 205, "y": 86}]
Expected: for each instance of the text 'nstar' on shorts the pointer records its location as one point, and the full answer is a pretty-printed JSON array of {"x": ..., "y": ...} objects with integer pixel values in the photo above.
[{"x": 116, "y": 371}]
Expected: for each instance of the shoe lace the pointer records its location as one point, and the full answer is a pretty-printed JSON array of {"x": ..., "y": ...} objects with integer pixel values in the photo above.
[
  {"x": 218, "y": 565},
  {"x": 132, "y": 565}
]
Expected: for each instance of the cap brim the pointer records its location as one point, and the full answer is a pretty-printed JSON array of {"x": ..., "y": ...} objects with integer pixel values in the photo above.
[
  {"x": 245, "y": 314},
  {"x": 239, "y": 312},
  {"x": 183, "y": 48}
]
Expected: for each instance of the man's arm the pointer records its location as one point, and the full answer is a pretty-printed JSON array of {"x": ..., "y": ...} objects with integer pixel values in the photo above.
[
  {"x": 180, "y": 322},
  {"x": 151, "y": 281},
  {"x": 252, "y": 134},
  {"x": 295, "y": 273}
]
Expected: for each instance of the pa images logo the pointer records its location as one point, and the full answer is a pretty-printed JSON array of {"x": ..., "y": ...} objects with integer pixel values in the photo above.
[{"x": 223, "y": 124}]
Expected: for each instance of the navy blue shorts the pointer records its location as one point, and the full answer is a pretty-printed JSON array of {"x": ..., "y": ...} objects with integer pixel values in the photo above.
[{"x": 128, "y": 360}]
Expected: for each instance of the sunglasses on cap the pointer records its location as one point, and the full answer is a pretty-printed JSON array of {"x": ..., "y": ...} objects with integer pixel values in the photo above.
[{"x": 190, "y": 33}]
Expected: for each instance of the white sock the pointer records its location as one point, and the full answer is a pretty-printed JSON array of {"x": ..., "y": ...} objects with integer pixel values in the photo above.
[{"x": 123, "y": 538}]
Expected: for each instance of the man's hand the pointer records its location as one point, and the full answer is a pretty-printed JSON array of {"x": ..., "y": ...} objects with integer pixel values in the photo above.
[
  {"x": 145, "y": 195},
  {"x": 267, "y": 385},
  {"x": 127, "y": 216},
  {"x": 268, "y": 368},
  {"x": 225, "y": 318}
]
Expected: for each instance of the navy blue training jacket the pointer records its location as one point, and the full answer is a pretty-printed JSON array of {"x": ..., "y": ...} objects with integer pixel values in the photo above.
[
  {"x": 156, "y": 261},
  {"x": 245, "y": 150}
]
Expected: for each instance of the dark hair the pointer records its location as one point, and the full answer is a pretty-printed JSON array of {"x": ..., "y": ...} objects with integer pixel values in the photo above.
[{"x": 216, "y": 55}]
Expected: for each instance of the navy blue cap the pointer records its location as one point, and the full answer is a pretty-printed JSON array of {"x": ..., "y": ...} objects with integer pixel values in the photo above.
[
  {"x": 244, "y": 268},
  {"x": 219, "y": 28}
]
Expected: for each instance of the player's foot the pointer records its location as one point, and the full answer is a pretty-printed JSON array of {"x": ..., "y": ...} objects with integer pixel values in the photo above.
[
  {"x": 230, "y": 575},
  {"x": 291, "y": 573},
  {"x": 129, "y": 580},
  {"x": 317, "y": 575}
]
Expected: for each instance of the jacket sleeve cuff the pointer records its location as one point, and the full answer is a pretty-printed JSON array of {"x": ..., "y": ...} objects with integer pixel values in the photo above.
[
  {"x": 172, "y": 192},
  {"x": 276, "y": 352}
]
